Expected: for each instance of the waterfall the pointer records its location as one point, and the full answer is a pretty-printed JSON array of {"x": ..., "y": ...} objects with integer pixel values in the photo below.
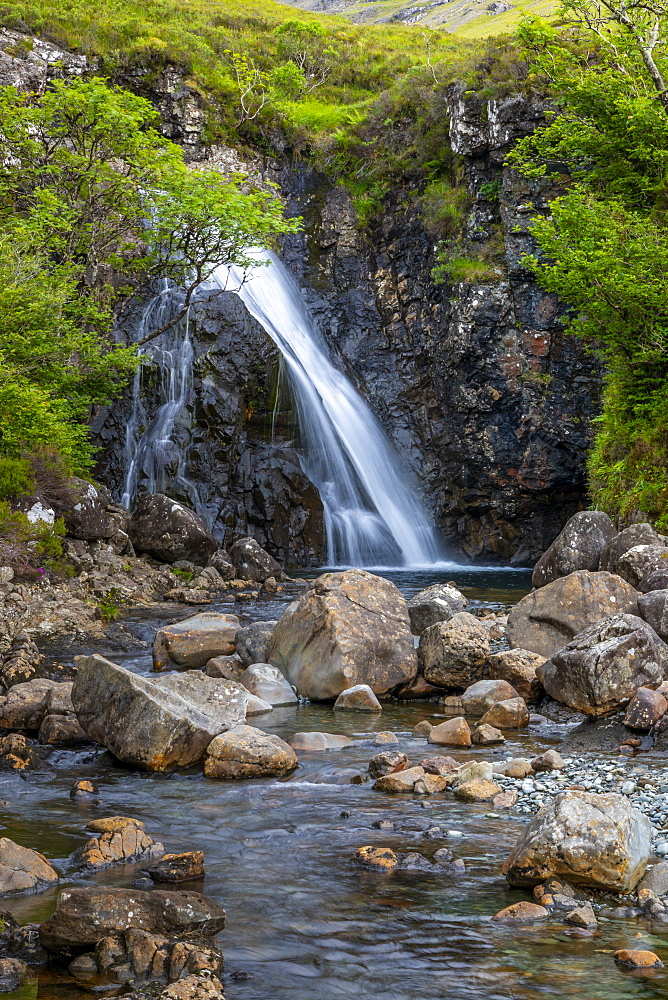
[{"x": 372, "y": 515}]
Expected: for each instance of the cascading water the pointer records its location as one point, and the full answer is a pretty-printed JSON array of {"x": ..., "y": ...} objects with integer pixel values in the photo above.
[{"x": 372, "y": 517}]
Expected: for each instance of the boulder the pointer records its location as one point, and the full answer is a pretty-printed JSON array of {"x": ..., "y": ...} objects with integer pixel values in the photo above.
[
  {"x": 452, "y": 654},
  {"x": 13, "y": 972},
  {"x": 61, "y": 731},
  {"x": 578, "y": 546},
  {"x": 599, "y": 841},
  {"x": 112, "y": 824},
  {"x": 221, "y": 562},
  {"x": 256, "y": 706},
  {"x": 440, "y": 765},
  {"x": 177, "y": 867},
  {"x": 451, "y": 733},
  {"x": 223, "y": 702},
  {"x": 641, "y": 562},
  {"x": 388, "y": 762},
  {"x": 23, "y": 870},
  {"x": 645, "y": 709},
  {"x": 635, "y": 534},
  {"x": 484, "y": 736},
  {"x": 658, "y": 580},
  {"x": 437, "y": 603},
  {"x": 85, "y": 515},
  {"x": 545, "y": 620},
  {"x": 551, "y": 760},
  {"x": 510, "y": 714},
  {"x": 359, "y": 698},
  {"x": 423, "y": 728},
  {"x": 25, "y": 706},
  {"x": 115, "y": 847},
  {"x": 516, "y": 767},
  {"x": 523, "y": 912},
  {"x": 376, "y": 858},
  {"x": 170, "y": 532},
  {"x": 245, "y": 752},
  {"x": 17, "y": 755},
  {"x": 84, "y": 916},
  {"x": 477, "y": 790},
  {"x": 631, "y": 958},
  {"x": 518, "y": 667},
  {"x": 384, "y": 739},
  {"x": 251, "y": 562},
  {"x": 152, "y": 725},
  {"x": 416, "y": 690},
  {"x": 229, "y": 667},
  {"x": 653, "y": 608},
  {"x": 268, "y": 683},
  {"x": 603, "y": 666},
  {"x": 190, "y": 644},
  {"x": 483, "y": 694},
  {"x": 319, "y": 741},
  {"x": 399, "y": 781},
  {"x": 253, "y": 642},
  {"x": 346, "y": 629}
]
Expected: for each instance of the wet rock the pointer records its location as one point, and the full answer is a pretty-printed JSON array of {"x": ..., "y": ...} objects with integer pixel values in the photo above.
[
  {"x": 484, "y": 735},
  {"x": 23, "y": 870},
  {"x": 383, "y": 824},
  {"x": 451, "y": 733},
  {"x": 510, "y": 714},
  {"x": 221, "y": 562},
  {"x": 416, "y": 690},
  {"x": 517, "y": 767},
  {"x": 84, "y": 916},
  {"x": 86, "y": 514},
  {"x": 439, "y": 765},
  {"x": 113, "y": 824},
  {"x": 25, "y": 705},
  {"x": 423, "y": 728},
  {"x": 84, "y": 789},
  {"x": 635, "y": 534},
  {"x": 399, "y": 781},
  {"x": 256, "y": 706},
  {"x": 518, "y": 667},
  {"x": 319, "y": 741},
  {"x": 268, "y": 683},
  {"x": 653, "y": 608},
  {"x": 61, "y": 731},
  {"x": 148, "y": 725},
  {"x": 633, "y": 959},
  {"x": 645, "y": 709},
  {"x": 177, "y": 867},
  {"x": 228, "y": 667},
  {"x": 377, "y": 858},
  {"x": 388, "y": 762},
  {"x": 582, "y": 916},
  {"x": 253, "y": 642},
  {"x": 477, "y": 790},
  {"x": 346, "y": 629},
  {"x": 505, "y": 800},
  {"x": 359, "y": 698},
  {"x": 453, "y": 653},
  {"x": 551, "y": 760},
  {"x": 578, "y": 546},
  {"x": 545, "y": 620},
  {"x": 169, "y": 531},
  {"x": 12, "y": 973},
  {"x": 251, "y": 562},
  {"x": 483, "y": 694},
  {"x": 523, "y": 912},
  {"x": 115, "y": 847},
  {"x": 414, "y": 862},
  {"x": 245, "y": 752},
  {"x": 194, "y": 988},
  {"x": 188, "y": 595},
  {"x": 437, "y": 603},
  {"x": 384, "y": 739},
  {"x": 591, "y": 840},
  {"x": 429, "y": 784},
  {"x": 641, "y": 562},
  {"x": 655, "y": 879},
  {"x": 190, "y": 644},
  {"x": 602, "y": 667}
]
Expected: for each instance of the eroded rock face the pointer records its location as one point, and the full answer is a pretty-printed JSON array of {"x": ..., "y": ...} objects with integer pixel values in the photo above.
[
  {"x": 578, "y": 546},
  {"x": 604, "y": 665},
  {"x": 169, "y": 531},
  {"x": 346, "y": 629},
  {"x": 545, "y": 620},
  {"x": 245, "y": 752},
  {"x": 194, "y": 641},
  {"x": 452, "y": 654},
  {"x": 437, "y": 603},
  {"x": 590, "y": 840}
]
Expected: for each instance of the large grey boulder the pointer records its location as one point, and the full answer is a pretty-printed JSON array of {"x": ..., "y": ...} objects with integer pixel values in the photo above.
[
  {"x": 599, "y": 841},
  {"x": 578, "y": 546},
  {"x": 346, "y": 629},
  {"x": 251, "y": 562},
  {"x": 86, "y": 516},
  {"x": 437, "y": 603},
  {"x": 253, "y": 642},
  {"x": 169, "y": 531},
  {"x": 220, "y": 700},
  {"x": 154, "y": 726},
  {"x": 452, "y": 654},
  {"x": 246, "y": 752},
  {"x": 603, "y": 666},
  {"x": 641, "y": 562},
  {"x": 25, "y": 706},
  {"x": 196, "y": 640},
  {"x": 546, "y": 619},
  {"x": 23, "y": 870},
  {"x": 269, "y": 684},
  {"x": 653, "y": 608},
  {"x": 635, "y": 534}
]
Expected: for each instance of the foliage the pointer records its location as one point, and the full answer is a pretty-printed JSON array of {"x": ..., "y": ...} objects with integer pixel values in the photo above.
[
  {"x": 444, "y": 208},
  {"x": 454, "y": 268},
  {"x": 15, "y": 478},
  {"x": 110, "y": 606},
  {"x": 32, "y": 549}
]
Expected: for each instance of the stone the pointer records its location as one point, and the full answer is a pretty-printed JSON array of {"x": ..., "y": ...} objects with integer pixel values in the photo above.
[
  {"x": 483, "y": 694},
  {"x": 451, "y": 733},
  {"x": 194, "y": 988},
  {"x": 635, "y": 534},
  {"x": 245, "y": 752},
  {"x": 84, "y": 916},
  {"x": 518, "y": 667},
  {"x": 85, "y": 514},
  {"x": 377, "y": 858},
  {"x": 319, "y": 741},
  {"x": 177, "y": 867},
  {"x": 505, "y": 800},
  {"x": 190, "y": 644},
  {"x": 517, "y": 767},
  {"x": 593, "y": 840},
  {"x": 221, "y": 562},
  {"x": 256, "y": 706},
  {"x": 452, "y": 654},
  {"x": 472, "y": 770},
  {"x": 399, "y": 781},
  {"x": 484, "y": 736},
  {"x": 251, "y": 562},
  {"x": 578, "y": 546},
  {"x": 359, "y": 698},
  {"x": 633, "y": 959},
  {"x": 384, "y": 739},
  {"x": 551, "y": 760},
  {"x": 439, "y": 765},
  {"x": 429, "y": 784},
  {"x": 641, "y": 562},
  {"x": 655, "y": 879},
  {"x": 23, "y": 870},
  {"x": 604, "y": 665},
  {"x": 653, "y": 608},
  {"x": 84, "y": 789},
  {"x": 645, "y": 709},
  {"x": 253, "y": 642},
  {"x": 547, "y": 619},
  {"x": 346, "y": 629},
  {"x": 169, "y": 531},
  {"x": 510, "y": 714},
  {"x": 388, "y": 762},
  {"x": 146, "y": 724},
  {"x": 112, "y": 824},
  {"x": 423, "y": 728},
  {"x": 115, "y": 847},
  {"x": 477, "y": 790},
  {"x": 268, "y": 683},
  {"x": 417, "y": 690},
  {"x": 523, "y": 912},
  {"x": 25, "y": 705},
  {"x": 12, "y": 973},
  {"x": 437, "y": 603},
  {"x": 229, "y": 667},
  {"x": 61, "y": 731},
  {"x": 582, "y": 916}
]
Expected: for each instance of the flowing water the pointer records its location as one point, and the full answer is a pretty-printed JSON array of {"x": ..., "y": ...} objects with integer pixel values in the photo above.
[{"x": 304, "y": 923}]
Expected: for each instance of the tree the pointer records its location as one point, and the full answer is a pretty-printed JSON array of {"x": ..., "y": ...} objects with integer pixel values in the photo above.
[{"x": 305, "y": 43}]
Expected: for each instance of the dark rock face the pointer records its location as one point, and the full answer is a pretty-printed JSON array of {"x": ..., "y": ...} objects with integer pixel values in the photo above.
[{"x": 169, "y": 531}]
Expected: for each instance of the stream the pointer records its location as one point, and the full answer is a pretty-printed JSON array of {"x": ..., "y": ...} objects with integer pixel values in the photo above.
[{"x": 303, "y": 921}]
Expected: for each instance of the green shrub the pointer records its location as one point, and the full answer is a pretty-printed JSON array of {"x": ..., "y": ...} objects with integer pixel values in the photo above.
[
  {"x": 32, "y": 549},
  {"x": 444, "y": 208},
  {"x": 15, "y": 479}
]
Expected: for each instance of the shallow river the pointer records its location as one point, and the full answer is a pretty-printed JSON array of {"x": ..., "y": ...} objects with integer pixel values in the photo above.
[{"x": 303, "y": 921}]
